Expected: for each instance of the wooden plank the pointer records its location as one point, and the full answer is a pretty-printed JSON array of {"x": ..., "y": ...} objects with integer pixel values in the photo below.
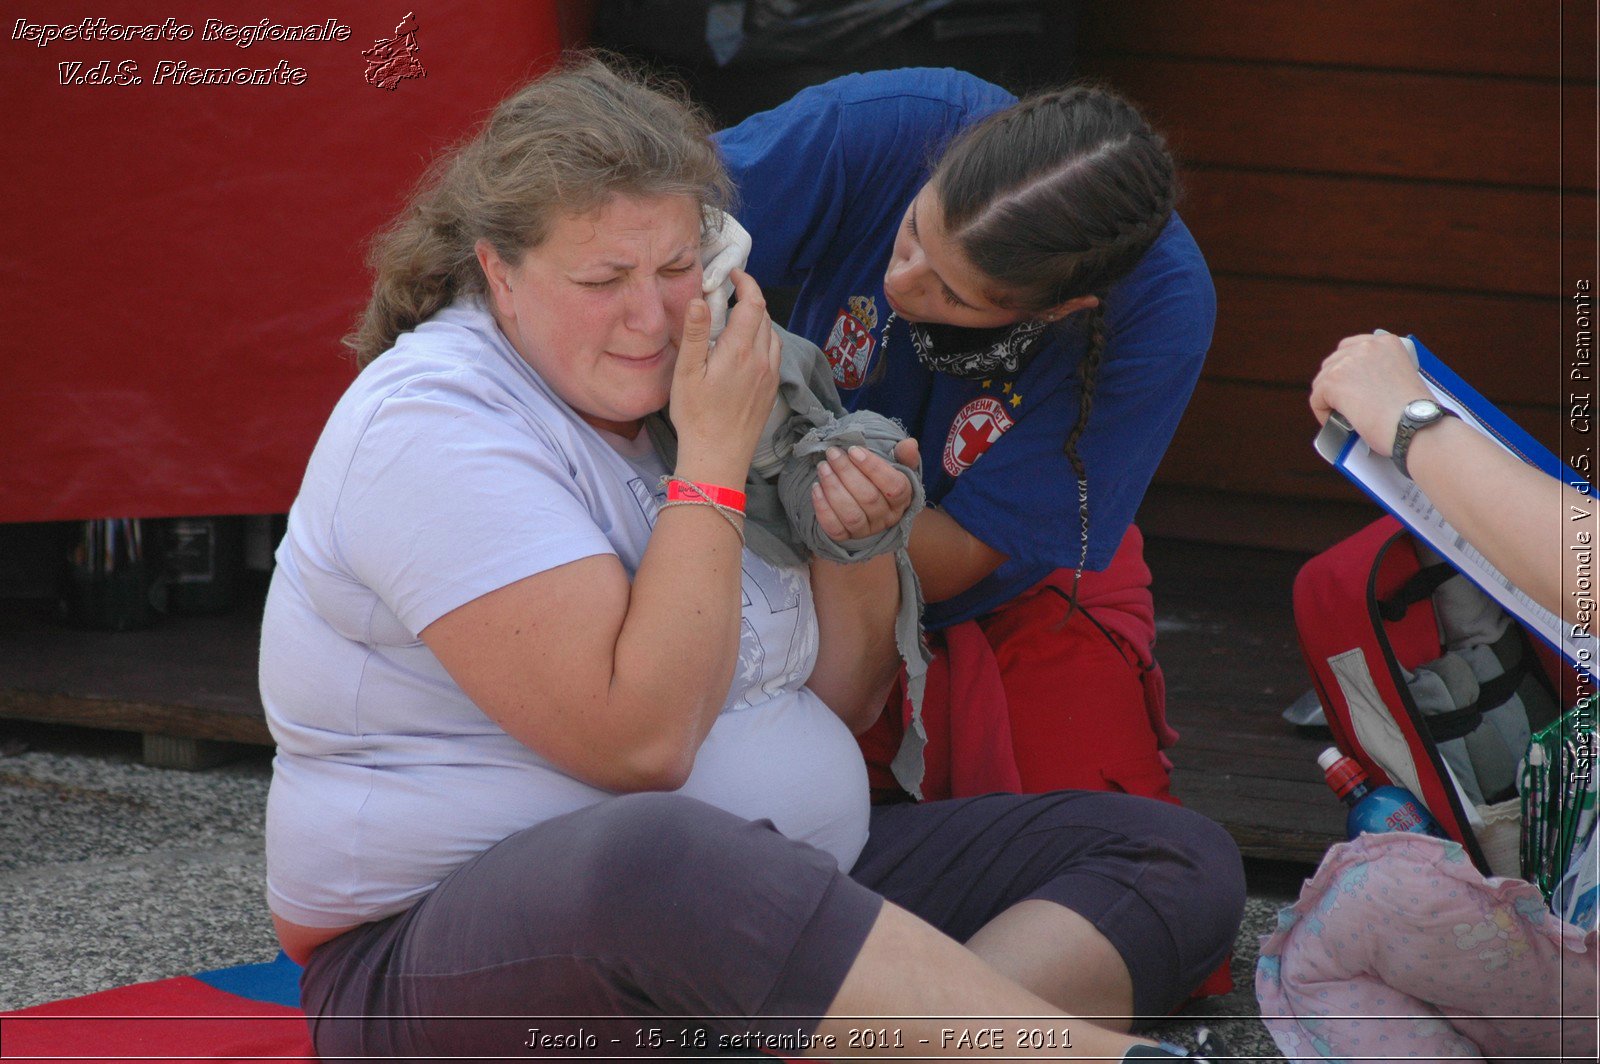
[
  {"x": 1209, "y": 516},
  {"x": 1250, "y": 438},
  {"x": 203, "y": 663},
  {"x": 1278, "y": 331},
  {"x": 1363, "y": 122},
  {"x": 1465, "y": 36},
  {"x": 1581, "y": 133},
  {"x": 1236, "y": 760},
  {"x": 1377, "y": 231},
  {"x": 190, "y": 755},
  {"x": 1240, "y": 756},
  {"x": 1232, "y": 665},
  {"x": 1244, "y": 438},
  {"x": 1268, "y": 746},
  {"x": 1276, "y": 792},
  {"x": 145, "y": 717},
  {"x": 1241, "y": 702},
  {"x": 1265, "y": 695},
  {"x": 1284, "y": 670},
  {"x": 1280, "y": 844},
  {"x": 1267, "y": 818},
  {"x": 1261, "y": 578}
]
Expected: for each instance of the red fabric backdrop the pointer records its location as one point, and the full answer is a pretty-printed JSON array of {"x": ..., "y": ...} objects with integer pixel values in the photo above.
[{"x": 178, "y": 261}]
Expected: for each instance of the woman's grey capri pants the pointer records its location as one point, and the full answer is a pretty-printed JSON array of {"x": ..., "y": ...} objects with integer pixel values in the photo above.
[{"x": 653, "y": 923}]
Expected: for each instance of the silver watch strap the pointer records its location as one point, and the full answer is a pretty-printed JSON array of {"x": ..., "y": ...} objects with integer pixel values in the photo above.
[{"x": 1407, "y": 431}]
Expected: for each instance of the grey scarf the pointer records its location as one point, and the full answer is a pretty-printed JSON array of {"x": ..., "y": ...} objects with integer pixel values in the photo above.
[{"x": 781, "y": 525}]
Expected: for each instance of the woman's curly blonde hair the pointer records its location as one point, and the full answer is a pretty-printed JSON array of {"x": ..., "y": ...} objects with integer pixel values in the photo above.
[{"x": 563, "y": 144}]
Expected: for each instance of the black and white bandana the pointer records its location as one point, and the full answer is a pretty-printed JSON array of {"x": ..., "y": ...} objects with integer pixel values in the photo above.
[{"x": 973, "y": 354}]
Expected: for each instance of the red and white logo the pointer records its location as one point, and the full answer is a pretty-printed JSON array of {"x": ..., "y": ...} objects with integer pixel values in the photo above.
[
  {"x": 974, "y": 431},
  {"x": 849, "y": 350}
]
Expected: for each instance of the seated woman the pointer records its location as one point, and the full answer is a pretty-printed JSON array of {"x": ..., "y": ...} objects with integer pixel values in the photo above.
[{"x": 551, "y": 744}]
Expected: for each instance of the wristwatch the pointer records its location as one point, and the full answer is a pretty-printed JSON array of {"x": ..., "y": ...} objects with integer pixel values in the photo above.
[{"x": 1418, "y": 415}]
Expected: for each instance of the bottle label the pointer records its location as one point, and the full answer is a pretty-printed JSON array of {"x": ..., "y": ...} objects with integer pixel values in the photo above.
[{"x": 1406, "y": 817}]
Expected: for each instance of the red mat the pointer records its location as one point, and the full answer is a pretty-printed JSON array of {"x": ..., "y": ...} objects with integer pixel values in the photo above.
[{"x": 184, "y": 1019}]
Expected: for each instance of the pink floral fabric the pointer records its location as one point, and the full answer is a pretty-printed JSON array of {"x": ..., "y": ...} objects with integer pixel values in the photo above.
[{"x": 1399, "y": 949}]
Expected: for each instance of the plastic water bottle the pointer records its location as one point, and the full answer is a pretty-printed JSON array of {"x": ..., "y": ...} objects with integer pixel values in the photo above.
[{"x": 1375, "y": 809}]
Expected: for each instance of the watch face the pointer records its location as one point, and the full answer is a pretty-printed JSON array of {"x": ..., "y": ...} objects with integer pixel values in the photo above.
[{"x": 1422, "y": 409}]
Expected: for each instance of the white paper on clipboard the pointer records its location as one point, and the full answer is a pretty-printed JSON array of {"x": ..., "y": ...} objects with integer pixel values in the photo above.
[{"x": 1379, "y": 477}]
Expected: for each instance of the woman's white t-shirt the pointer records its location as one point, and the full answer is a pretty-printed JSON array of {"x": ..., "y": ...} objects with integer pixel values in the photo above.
[{"x": 448, "y": 470}]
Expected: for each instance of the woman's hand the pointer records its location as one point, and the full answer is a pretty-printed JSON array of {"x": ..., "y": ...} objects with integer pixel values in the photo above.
[
  {"x": 1369, "y": 379},
  {"x": 859, "y": 494},
  {"x": 722, "y": 393}
]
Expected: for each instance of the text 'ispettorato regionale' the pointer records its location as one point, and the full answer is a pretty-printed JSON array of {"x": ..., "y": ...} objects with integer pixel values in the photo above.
[{"x": 114, "y": 71}]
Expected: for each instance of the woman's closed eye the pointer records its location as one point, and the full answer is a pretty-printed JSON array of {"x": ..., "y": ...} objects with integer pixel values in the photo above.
[
  {"x": 612, "y": 282},
  {"x": 944, "y": 290},
  {"x": 608, "y": 282}
]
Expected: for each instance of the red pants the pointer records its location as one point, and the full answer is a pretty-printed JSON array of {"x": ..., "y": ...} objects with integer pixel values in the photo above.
[{"x": 1035, "y": 697}]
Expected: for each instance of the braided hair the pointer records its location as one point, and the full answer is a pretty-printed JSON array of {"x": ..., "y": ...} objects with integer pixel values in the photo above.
[{"x": 1056, "y": 198}]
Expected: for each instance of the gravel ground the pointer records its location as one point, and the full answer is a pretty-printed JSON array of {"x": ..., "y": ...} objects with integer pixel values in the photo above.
[{"x": 114, "y": 873}]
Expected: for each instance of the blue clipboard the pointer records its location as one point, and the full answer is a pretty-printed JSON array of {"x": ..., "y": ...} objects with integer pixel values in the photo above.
[{"x": 1341, "y": 446}]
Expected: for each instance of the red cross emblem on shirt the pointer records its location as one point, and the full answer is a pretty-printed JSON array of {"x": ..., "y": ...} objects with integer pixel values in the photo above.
[{"x": 973, "y": 432}]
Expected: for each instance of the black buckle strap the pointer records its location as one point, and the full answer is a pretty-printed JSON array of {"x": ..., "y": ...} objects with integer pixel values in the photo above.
[
  {"x": 1492, "y": 694},
  {"x": 1423, "y": 583}
]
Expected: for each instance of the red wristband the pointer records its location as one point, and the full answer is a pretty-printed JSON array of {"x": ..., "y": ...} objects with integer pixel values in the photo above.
[{"x": 686, "y": 491}]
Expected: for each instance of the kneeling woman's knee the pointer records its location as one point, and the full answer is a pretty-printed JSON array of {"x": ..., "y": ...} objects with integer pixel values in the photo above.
[{"x": 1203, "y": 877}]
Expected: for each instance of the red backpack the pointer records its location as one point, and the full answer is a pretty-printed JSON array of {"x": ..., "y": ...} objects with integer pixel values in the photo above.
[{"x": 1364, "y": 610}]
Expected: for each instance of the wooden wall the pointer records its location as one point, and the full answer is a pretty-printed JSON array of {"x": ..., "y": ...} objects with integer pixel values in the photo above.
[{"x": 1351, "y": 166}]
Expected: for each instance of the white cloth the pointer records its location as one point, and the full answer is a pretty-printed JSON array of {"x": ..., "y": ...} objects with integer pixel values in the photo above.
[
  {"x": 727, "y": 250},
  {"x": 449, "y": 469}
]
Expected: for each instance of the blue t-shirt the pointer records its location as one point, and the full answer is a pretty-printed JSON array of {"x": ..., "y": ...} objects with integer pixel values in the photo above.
[{"x": 825, "y": 180}]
